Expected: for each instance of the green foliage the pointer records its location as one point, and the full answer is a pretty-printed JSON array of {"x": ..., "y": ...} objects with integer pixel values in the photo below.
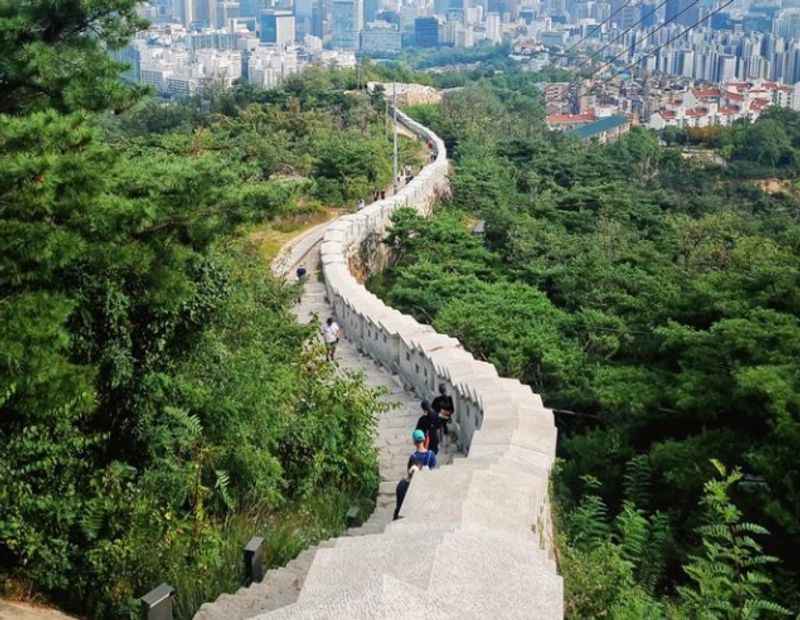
[
  {"x": 55, "y": 54},
  {"x": 616, "y": 571},
  {"x": 587, "y": 526},
  {"x": 651, "y": 299},
  {"x": 729, "y": 577},
  {"x": 637, "y": 481},
  {"x": 594, "y": 580},
  {"x": 159, "y": 402}
]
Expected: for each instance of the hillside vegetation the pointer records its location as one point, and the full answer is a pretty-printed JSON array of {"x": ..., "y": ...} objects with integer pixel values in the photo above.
[
  {"x": 654, "y": 302},
  {"x": 160, "y": 404}
]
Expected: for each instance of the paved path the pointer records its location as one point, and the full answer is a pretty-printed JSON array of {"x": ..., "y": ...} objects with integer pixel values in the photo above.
[
  {"x": 282, "y": 586},
  {"x": 394, "y": 425}
]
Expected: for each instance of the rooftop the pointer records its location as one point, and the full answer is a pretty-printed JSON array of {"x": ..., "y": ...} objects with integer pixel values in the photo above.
[
  {"x": 604, "y": 124},
  {"x": 564, "y": 119}
]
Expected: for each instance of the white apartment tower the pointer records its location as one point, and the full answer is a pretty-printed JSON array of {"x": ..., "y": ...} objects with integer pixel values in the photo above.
[{"x": 493, "y": 33}]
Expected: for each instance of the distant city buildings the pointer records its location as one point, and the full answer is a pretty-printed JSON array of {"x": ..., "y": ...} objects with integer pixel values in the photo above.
[
  {"x": 699, "y": 106},
  {"x": 686, "y": 38},
  {"x": 178, "y": 62},
  {"x": 277, "y": 27},
  {"x": 637, "y": 50},
  {"x": 348, "y": 22},
  {"x": 658, "y": 103},
  {"x": 380, "y": 28},
  {"x": 426, "y": 31},
  {"x": 381, "y": 38}
]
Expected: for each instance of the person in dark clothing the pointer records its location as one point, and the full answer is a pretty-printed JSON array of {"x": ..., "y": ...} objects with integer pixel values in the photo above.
[
  {"x": 443, "y": 406},
  {"x": 430, "y": 423},
  {"x": 400, "y": 495},
  {"x": 301, "y": 278},
  {"x": 419, "y": 459}
]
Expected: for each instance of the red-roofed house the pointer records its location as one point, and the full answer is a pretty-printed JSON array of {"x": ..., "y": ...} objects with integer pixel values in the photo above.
[
  {"x": 570, "y": 121},
  {"x": 706, "y": 93}
]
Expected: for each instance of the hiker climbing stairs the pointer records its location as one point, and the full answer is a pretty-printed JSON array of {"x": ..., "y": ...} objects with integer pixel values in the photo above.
[{"x": 475, "y": 537}]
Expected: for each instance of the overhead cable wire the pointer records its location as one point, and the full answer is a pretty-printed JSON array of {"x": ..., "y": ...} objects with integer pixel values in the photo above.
[
  {"x": 620, "y": 35},
  {"x": 596, "y": 28},
  {"x": 650, "y": 34},
  {"x": 670, "y": 40},
  {"x": 666, "y": 22}
]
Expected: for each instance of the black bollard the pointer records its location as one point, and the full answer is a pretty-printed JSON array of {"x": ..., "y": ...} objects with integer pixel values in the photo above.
[
  {"x": 158, "y": 603},
  {"x": 351, "y": 518},
  {"x": 254, "y": 560}
]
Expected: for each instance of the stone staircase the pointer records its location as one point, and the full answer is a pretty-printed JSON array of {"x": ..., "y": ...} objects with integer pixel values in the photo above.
[
  {"x": 281, "y": 587},
  {"x": 474, "y": 539}
]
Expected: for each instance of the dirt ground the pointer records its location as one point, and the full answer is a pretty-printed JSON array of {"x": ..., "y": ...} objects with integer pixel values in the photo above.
[{"x": 10, "y": 610}]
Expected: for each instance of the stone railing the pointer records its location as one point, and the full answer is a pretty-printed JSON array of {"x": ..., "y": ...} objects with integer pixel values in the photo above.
[{"x": 496, "y": 418}]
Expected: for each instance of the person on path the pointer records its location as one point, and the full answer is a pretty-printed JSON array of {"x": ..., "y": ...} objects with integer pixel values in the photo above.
[
  {"x": 443, "y": 405},
  {"x": 430, "y": 423},
  {"x": 361, "y": 204},
  {"x": 421, "y": 458},
  {"x": 301, "y": 278},
  {"x": 331, "y": 333}
]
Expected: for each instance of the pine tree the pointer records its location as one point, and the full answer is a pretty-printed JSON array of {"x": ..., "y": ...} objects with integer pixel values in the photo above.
[{"x": 55, "y": 54}]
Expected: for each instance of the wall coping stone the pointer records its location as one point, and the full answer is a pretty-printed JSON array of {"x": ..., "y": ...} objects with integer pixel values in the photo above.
[{"x": 501, "y": 424}]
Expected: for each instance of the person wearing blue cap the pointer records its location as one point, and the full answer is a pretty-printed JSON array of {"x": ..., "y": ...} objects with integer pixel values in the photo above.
[{"x": 421, "y": 458}]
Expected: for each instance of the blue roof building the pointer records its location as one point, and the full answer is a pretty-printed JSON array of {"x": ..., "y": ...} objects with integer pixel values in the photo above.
[{"x": 604, "y": 130}]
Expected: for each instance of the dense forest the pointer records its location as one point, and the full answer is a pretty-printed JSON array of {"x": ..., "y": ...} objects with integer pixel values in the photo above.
[
  {"x": 159, "y": 403},
  {"x": 653, "y": 298}
]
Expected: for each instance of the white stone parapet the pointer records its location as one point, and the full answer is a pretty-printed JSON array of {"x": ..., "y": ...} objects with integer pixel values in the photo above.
[{"x": 494, "y": 503}]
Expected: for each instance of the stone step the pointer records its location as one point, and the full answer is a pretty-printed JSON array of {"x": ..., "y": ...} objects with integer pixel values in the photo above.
[
  {"x": 465, "y": 547},
  {"x": 519, "y": 588},
  {"x": 280, "y": 587},
  {"x": 381, "y": 597},
  {"x": 337, "y": 568},
  {"x": 430, "y": 497}
]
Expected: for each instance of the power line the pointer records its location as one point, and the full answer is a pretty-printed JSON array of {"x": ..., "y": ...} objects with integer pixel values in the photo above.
[
  {"x": 650, "y": 34},
  {"x": 674, "y": 38},
  {"x": 618, "y": 37},
  {"x": 596, "y": 28},
  {"x": 626, "y": 31}
]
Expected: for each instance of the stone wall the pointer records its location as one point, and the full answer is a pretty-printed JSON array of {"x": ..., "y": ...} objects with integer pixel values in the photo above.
[
  {"x": 408, "y": 94},
  {"x": 495, "y": 417}
]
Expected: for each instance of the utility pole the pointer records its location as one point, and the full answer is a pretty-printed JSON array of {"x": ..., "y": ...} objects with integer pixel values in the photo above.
[{"x": 394, "y": 119}]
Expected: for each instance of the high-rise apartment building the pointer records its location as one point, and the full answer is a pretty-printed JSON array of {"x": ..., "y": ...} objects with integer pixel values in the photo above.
[
  {"x": 673, "y": 8},
  {"x": 629, "y": 16},
  {"x": 493, "y": 32},
  {"x": 648, "y": 15},
  {"x": 250, "y": 8},
  {"x": 276, "y": 27},
  {"x": 426, "y": 32},
  {"x": 348, "y": 21},
  {"x": 184, "y": 11},
  {"x": 787, "y": 25},
  {"x": 381, "y": 38},
  {"x": 371, "y": 8},
  {"x": 318, "y": 19},
  {"x": 303, "y": 13}
]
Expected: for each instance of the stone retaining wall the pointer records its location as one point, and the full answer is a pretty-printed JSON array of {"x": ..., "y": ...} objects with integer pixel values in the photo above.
[{"x": 496, "y": 417}]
